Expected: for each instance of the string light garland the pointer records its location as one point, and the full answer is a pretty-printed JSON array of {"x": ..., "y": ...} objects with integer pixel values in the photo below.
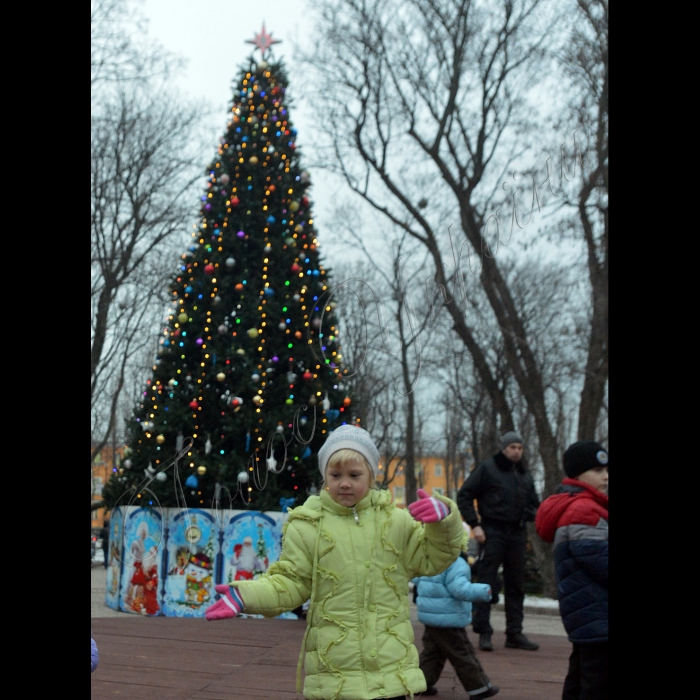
[{"x": 251, "y": 345}]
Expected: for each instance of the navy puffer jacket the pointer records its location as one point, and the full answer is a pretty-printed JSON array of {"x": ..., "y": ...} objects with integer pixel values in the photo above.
[{"x": 575, "y": 519}]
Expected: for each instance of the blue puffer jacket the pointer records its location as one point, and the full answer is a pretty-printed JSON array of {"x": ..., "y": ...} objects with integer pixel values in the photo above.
[{"x": 446, "y": 600}]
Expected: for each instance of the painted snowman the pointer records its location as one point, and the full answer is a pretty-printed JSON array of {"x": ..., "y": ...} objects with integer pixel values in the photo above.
[{"x": 198, "y": 579}]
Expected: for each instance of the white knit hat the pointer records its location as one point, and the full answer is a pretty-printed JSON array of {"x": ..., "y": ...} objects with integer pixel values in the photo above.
[{"x": 349, "y": 437}]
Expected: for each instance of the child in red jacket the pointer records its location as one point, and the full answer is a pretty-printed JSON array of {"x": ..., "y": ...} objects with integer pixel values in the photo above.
[{"x": 575, "y": 519}]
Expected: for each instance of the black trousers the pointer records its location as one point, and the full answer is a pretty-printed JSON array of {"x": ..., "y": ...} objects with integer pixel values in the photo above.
[
  {"x": 504, "y": 545},
  {"x": 587, "y": 678},
  {"x": 441, "y": 644}
]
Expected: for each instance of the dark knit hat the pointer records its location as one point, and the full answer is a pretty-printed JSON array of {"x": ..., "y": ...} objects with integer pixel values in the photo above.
[
  {"x": 509, "y": 438},
  {"x": 582, "y": 456}
]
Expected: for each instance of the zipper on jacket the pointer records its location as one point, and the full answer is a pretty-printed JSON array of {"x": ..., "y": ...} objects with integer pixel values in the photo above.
[{"x": 354, "y": 512}]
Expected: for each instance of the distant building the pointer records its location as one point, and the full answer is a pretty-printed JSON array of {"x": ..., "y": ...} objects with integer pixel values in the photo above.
[
  {"x": 102, "y": 469},
  {"x": 431, "y": 475}
]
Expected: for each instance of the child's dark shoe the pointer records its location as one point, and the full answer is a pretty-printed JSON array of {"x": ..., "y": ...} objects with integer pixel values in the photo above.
[{"x": 488, "y": 693}]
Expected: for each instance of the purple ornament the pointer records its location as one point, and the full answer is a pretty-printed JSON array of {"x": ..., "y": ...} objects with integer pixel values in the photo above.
[
  {"x": 241, "y": 234},
  {"x": 199, "y": 341},
  {"x": 275, "y": 358},
  {"x": 207, "y": 207}
]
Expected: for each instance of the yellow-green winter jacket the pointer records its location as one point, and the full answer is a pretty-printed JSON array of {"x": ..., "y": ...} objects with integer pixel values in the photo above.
[{"x": 354, "y": 565}]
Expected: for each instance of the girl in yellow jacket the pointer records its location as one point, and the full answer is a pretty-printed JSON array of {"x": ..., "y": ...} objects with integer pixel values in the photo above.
[{"x": 351, "y": 553}]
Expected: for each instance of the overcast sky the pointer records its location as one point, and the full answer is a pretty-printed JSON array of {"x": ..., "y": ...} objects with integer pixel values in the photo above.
[{"x": 212, "y": 36}]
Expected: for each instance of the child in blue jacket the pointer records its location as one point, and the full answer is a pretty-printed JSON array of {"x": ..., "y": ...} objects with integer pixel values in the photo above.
[{"x": 445, "y": 608}]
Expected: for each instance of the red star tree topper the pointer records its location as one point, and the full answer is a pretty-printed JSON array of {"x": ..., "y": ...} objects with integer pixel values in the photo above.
[{"x": 263, "y": 40}]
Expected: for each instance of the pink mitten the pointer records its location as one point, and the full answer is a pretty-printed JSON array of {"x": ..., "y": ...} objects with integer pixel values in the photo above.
[
  {"x": 230, "y": 604},
  {"x": 428, "y": 509}
]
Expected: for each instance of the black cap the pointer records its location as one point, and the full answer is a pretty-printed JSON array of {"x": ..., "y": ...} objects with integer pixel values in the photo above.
[{"x": 584, "y": 455}]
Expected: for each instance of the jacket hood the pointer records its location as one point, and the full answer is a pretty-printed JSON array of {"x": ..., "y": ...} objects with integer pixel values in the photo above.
[
  {"x": 551, "y": 509},
  {"x": 549, "y": 513},
  {"x": 579, "y": 486}
]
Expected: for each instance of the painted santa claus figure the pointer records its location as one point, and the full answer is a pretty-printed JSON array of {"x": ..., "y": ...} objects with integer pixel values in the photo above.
[{"x": 246, "y": 561}]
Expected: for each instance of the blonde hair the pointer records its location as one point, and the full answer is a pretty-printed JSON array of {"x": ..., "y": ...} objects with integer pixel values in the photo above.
[{"x": 346, "y": 455}]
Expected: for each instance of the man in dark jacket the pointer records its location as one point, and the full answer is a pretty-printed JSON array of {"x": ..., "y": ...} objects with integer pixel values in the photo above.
[{"x": 506, "y": 499}]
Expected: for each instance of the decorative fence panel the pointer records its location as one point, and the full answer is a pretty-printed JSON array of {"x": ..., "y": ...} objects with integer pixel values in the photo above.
[{"x": 166, "y": 561}]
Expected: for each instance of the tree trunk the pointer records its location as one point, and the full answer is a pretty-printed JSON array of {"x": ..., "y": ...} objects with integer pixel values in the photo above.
[
  {"x": 593, "y": 392},
  {"x": 519, "y": 353},
  {"x": 545, "y": 562},
  {"x": 410, "y": 470}
]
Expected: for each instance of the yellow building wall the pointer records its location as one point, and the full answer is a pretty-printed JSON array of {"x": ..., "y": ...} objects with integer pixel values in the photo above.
[
  {"x": 431, "y": 473},
  {"x": 101, "y": 471}
]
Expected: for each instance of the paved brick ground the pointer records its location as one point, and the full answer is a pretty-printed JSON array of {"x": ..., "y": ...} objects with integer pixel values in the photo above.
[{"x": 245, "y": 659}]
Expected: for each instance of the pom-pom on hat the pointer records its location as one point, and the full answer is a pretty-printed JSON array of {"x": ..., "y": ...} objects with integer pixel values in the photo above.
[
  {"x": 349, "y": 437},
  {"x": 509, "y": 438},
  {"x": 582, "y": 456}
]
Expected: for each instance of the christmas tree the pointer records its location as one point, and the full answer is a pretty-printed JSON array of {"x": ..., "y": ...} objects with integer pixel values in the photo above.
[{"x": 249, "y": 365}]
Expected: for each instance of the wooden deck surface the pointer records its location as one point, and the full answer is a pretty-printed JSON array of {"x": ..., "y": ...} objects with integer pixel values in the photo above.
[{"x": 162, "y": 658}]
